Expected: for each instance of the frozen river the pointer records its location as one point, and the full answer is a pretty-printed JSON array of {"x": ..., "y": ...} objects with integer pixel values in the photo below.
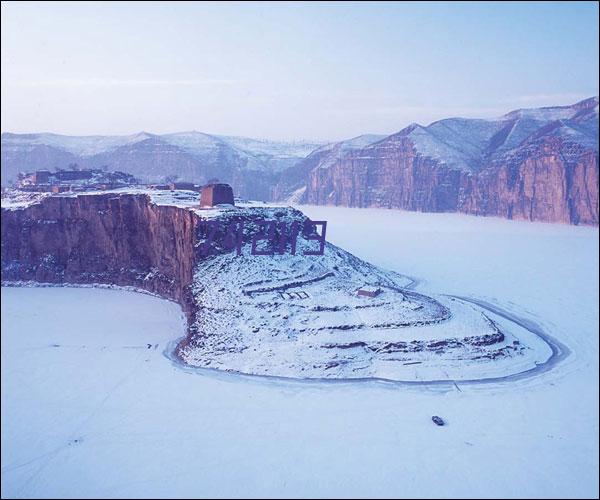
[{"x": 92, "y": 407}]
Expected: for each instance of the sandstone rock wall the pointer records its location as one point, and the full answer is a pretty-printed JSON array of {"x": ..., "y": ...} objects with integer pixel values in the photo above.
[
  {"x": 115, "y": 239},
  {"x": 120, "y": 239},
  {"x": 549, "y": 181}
]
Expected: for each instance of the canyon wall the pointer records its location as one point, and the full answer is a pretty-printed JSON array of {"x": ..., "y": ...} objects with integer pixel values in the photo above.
[
  {"x": 550, "y": 181},
  {"x": 115, "y": 239},
  {"x": 125, "y": 239}
]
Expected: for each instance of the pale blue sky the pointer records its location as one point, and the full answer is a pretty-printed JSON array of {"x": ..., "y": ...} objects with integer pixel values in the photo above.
[{"x": 303, "y": 70}]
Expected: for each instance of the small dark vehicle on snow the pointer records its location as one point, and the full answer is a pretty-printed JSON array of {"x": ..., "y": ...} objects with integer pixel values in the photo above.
[{"x": 438, "y": 420}]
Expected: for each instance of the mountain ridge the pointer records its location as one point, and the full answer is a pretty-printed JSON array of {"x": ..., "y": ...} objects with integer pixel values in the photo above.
[
  {"x": 456, "y": 152},
  {"x": 532, "y": 164}
]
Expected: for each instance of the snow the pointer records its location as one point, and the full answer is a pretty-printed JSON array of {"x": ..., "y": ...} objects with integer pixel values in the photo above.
[
  {"x": 450, "y": 151},
  {"x": 467, "y": 144},
  {"x": 573, "y": 132},
  {"x": 334, "y": 152},
  {"x": 266, "y": 147},
  {"x": 78, "y": 145},
  {"x": 459, "y": 140},
  {"x": 182, "y": 198},
  {"x": 15, "y": 200},
  {"x": 293, "y": 317},
  {"x": 298, "y": 316},
  {"x": 258, "y": 154},
  {"x": 296, "y": 195},
  {"x": 88, "y": 409},
  {"x": 550, "y": 113},
  {"x": 358, "y": 142},
  {"x": 193, "y": 141}
]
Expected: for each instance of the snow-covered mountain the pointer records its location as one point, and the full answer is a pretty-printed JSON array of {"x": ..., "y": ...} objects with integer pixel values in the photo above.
[
  {"x": 193, "y": 142},
  {"x": 274, "y": 149},
  {"x": 467, "y": 144},
  {"x": 292, "y": 182},
  {"x": 192, "y": 156},
  {"x": 534, "y": 164},
  {"x": 76, "y": 145}
]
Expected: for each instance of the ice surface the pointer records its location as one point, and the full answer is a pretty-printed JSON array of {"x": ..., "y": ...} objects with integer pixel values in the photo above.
[{"x": 88, "y": 409}]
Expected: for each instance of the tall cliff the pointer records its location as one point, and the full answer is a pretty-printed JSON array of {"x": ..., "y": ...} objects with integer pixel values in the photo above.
[
  {"x": 148, "y": 241},
  {"x": 539, "y": 165},
  {"x": 114, "y": 239}
]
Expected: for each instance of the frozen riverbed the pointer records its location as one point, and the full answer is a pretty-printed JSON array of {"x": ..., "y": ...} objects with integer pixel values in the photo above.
[{"x": 92, "y": 407}]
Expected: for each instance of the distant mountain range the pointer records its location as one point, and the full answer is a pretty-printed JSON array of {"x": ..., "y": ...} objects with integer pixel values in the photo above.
[
  {"x": 534, "y": 164},
  {"x": 250, "y": 165}
]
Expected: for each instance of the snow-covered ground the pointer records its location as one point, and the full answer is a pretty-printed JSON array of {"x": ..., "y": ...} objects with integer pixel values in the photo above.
[{"x": 92, "y": 407}]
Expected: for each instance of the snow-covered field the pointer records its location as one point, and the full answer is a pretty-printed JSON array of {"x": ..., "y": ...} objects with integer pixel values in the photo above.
[{"x": 92, "y": 407}]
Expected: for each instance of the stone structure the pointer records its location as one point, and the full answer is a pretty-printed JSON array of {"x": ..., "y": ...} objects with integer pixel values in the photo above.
[
  {"x": 189, "y": 186},
  {"x": 216, "y": 194},
  {"x": 369, "y": 291},
  {"x": 76, "y": 180}
]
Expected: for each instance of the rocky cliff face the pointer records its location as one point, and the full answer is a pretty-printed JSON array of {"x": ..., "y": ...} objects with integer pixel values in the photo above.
[
  {"x": 538, "y": 165},
  {"x": 546, "y": 184},
  {"x": 147, "y": 241},
  {"x": 552, "y": 181},
  {"x": 291, "y": 183},
  {"x": 114, "y": 239}
]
